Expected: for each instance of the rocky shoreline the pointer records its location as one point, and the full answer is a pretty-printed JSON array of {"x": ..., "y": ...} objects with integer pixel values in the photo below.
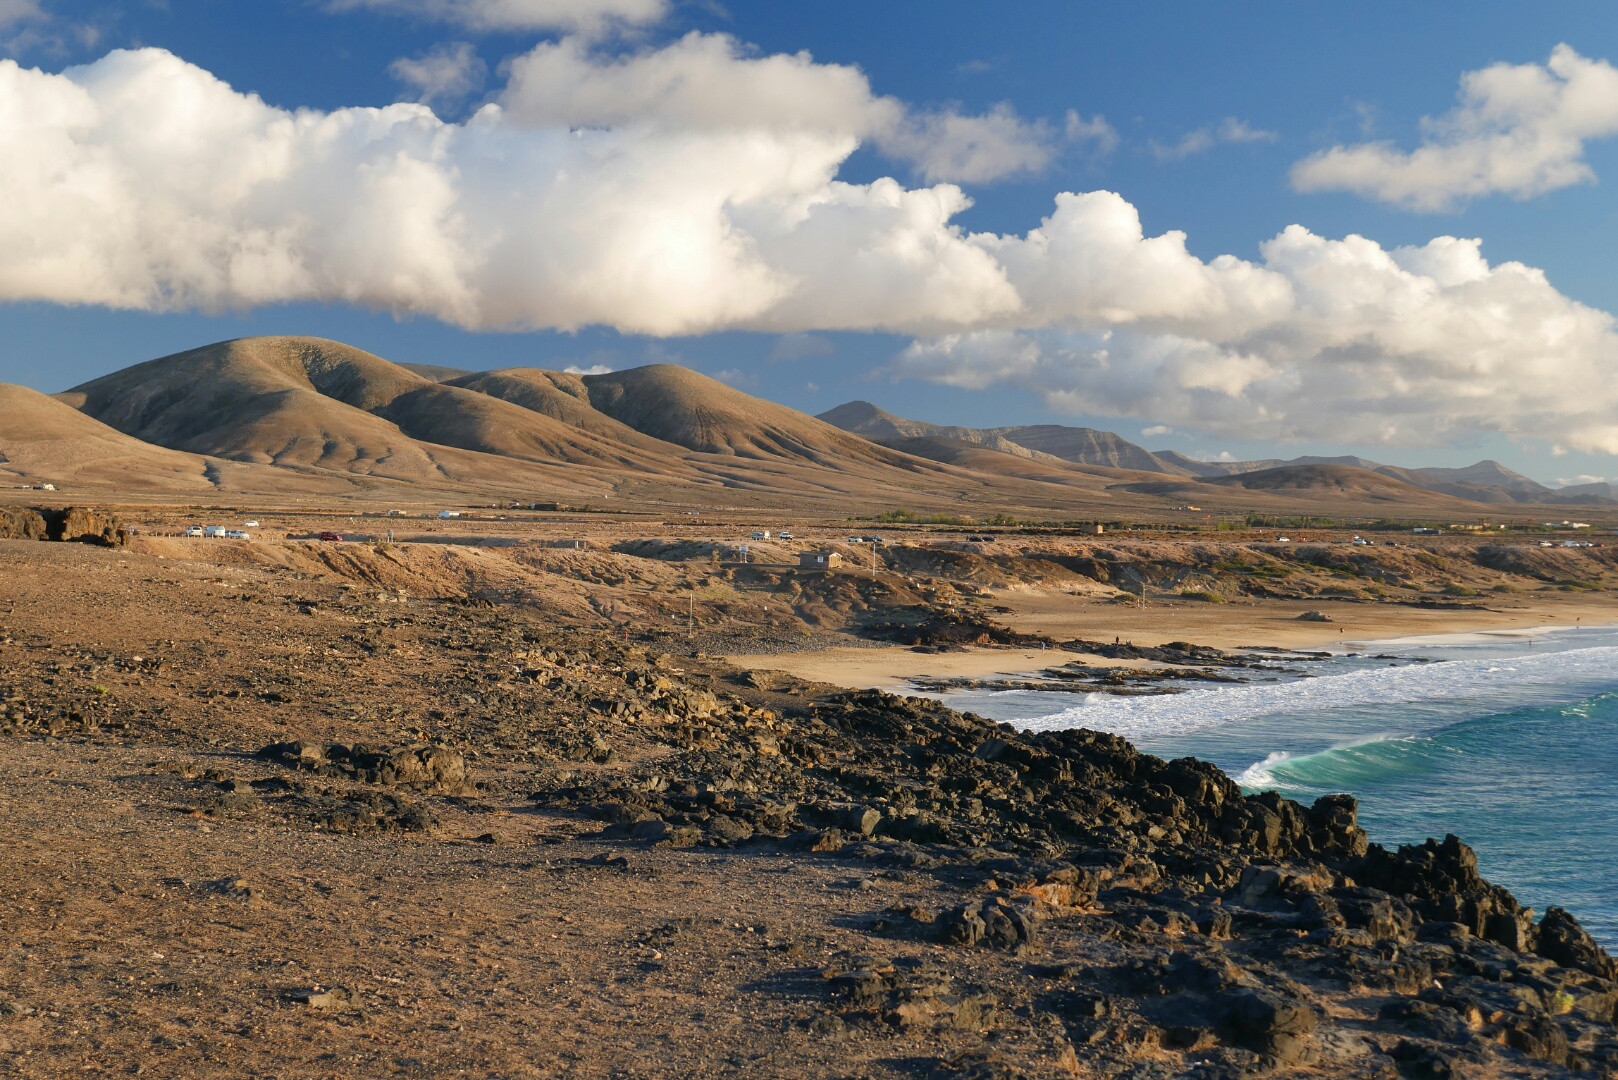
[{"x": 953, "y": 898}]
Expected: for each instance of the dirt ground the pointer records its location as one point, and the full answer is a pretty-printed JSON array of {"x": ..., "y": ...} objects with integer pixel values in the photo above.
[
  {"x": 147, "y": 934},
  {"x": 174, "y": 904}
]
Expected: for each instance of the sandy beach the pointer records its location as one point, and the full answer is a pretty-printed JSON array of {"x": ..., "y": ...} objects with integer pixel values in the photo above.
[{"x": 1236, "y": 625}]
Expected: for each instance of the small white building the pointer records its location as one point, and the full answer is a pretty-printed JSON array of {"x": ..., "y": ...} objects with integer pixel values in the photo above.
[{"x": 447, "y": 514}]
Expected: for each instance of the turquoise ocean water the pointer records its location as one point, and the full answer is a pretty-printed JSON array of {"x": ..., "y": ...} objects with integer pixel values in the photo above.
[{"x": 1508, "y": 740}]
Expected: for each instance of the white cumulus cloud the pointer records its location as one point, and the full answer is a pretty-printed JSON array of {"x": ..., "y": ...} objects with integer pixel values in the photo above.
[
  {"x": 695, "y": 188},
  {"x": 1337, "y": 338},
  {"x": 1519, "y": 130},
  {"x": 711, "y": 82}
]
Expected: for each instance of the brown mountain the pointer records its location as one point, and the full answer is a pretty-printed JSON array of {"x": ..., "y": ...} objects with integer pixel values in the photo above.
[
  {"x": 1487, "y": 481},
  {"x": 43, "y": 440},
  {"x": 683, "y": 407},
  {"x": 281, "y": 401},
  {"x": 321, "y": 406},
  {"x": 1085, "y": 446},
  {"x": 863, "y": 418},
  {"x": 321, "y": 413},
  {"x": 1314, "y": 481},
  {"x": 1043, "y": 469}
]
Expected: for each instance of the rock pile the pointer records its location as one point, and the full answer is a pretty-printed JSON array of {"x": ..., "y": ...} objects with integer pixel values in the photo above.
[
  {"x": 75, "y": 524},
  {"x": 435, "y": 769}
]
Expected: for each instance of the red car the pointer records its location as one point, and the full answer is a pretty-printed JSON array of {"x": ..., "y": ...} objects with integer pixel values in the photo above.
[{"x": 335, "y": 538}]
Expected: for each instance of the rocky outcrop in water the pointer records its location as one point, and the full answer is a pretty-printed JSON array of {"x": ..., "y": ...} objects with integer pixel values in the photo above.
[{"x": 1232, "y": 919}]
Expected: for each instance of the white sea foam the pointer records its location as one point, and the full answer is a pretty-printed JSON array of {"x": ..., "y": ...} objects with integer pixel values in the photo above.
[
  {"x": 1258, "y": 774},
  {"x": 1546, "y": 677}
]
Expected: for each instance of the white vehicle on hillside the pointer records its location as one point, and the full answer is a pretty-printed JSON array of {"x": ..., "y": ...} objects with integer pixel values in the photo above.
[
  {"x": 236, "y": 534},
  {"x": 215, "y": 532},
  {"x": 195, "y": 530}
]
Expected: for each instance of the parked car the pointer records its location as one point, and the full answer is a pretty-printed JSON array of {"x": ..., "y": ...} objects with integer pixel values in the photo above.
[
  {"x": 331, "y": 537},
  {"x": 195, "y": 530},
  {"x": 856, "y": 539},
  {"x": 783, "y": 536},
  {"x": 236, "y": 534},
  {"x": 250, "y": 524},
  {"x": 214, "y": 532}
]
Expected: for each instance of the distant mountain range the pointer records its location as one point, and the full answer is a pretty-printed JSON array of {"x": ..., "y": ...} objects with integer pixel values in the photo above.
[
  {"x": 1485, "y": 482},
  {"x": 310, "y": 417}
]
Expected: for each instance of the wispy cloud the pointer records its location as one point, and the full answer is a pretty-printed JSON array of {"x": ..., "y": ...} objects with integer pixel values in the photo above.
[
  {"x": 800, "y": 347},
  {"x": 589, "y": 16},
  {"x": 1095, "y": 130},
  {"x": 1228, "y": 130},
  {"x": 445, "y": 73}
]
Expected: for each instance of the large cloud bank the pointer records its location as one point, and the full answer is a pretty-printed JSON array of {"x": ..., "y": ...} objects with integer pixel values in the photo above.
[
  {"x": 694, "y": 188},
  {"x": 1519, "y": 130}
]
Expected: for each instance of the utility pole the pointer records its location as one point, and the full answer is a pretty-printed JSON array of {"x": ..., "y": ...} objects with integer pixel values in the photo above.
[{"x": 690, "y": 612}]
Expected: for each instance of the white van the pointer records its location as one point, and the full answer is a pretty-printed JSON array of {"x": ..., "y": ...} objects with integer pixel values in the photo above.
[
  {"x": 215, "y": 531},
  {"x": 195, "y": 530}
]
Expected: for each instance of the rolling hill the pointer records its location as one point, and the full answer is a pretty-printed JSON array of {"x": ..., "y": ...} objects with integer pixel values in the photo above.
[{"x": 1322, "y": 488}]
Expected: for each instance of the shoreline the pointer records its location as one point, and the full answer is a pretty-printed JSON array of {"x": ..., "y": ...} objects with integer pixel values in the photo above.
[{"x": 1232, "y": 628}]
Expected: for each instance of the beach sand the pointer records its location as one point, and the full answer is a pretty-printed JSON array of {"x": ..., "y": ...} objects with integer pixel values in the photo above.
[{"x": 1275, "y": 624}]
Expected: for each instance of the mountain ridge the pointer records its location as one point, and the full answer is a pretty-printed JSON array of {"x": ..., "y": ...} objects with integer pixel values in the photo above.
[{"x": 311, "y": 414}]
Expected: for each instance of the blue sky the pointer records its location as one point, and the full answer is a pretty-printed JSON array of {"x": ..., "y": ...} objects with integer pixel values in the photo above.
[{"x": 1208, "y": 113}]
